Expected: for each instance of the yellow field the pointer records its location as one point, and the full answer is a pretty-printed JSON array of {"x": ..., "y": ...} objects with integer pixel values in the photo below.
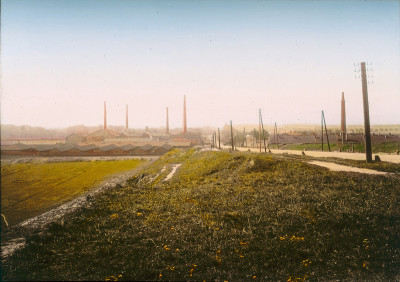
[{"x": 30, "y": 189}]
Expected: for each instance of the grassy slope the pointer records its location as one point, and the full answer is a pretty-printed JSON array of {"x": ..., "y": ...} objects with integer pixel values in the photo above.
[
  {"x": 225, "y": 216},
  {"x": 30, "y": 189}
]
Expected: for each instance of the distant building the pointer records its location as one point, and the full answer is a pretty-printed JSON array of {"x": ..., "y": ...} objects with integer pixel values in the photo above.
[
  {"x": 101, "y": 135},
  {"x": 75, "y": 139},
  {"x": 32, "y": 141},
  {"x": 193, "y": 138}
]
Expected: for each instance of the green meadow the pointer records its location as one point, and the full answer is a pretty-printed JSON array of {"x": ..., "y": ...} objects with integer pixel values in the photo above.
[
  {"x": 225, "y": 217},
  {"x": 29, "y": 189}
]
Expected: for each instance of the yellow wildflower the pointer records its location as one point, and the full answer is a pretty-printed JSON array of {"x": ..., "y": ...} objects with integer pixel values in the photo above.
[
  {"x": 192, "y": 269},
  {"x": 306, "y": 262},
  {"x": 114, "y": 216}
]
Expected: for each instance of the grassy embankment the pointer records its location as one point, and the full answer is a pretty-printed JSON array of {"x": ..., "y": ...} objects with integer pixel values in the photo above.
[
  {"x": 386, "y": 147},
  {"x": 239, "y": 216},
  {"x": 30, "y": 189}
]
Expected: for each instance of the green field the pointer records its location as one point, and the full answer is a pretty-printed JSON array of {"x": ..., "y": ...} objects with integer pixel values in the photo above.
[
  {"x": 29, "y": 189},
  {"x": 225, "y": 217}
]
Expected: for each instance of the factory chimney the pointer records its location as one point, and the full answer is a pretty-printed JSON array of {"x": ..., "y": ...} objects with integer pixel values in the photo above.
[
  {"x": 167, "y": 122},
  {"x": 105, "y": 116},
  {"x": 343, "y": 124},
  {"x": 184, "y": 114},
  {"x": 126, "y": 116}
]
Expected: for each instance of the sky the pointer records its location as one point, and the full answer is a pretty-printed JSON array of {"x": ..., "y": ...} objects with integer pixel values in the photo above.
[{"x": 60, "y": 60}]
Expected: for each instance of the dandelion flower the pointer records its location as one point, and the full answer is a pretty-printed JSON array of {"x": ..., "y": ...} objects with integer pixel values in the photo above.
[{"x": 306, "y": 262}]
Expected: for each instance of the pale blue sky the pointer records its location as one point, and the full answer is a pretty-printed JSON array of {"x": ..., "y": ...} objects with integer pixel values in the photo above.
[{"x": 62, "y": 59}]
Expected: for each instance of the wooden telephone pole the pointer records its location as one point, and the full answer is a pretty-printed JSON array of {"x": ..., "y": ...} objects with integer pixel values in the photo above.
[
  {"x": 263, "y": 133},
  {"x": 367, "y": 130},
  {"x": 259, "y": 127},
  {"x": 219, "y": 140},
  {"x": 322, "y": 132},
  {"x": 233, "y": 147}
]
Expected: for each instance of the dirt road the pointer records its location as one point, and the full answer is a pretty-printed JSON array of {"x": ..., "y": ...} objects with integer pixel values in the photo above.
[{"x": 342, "y": 155}]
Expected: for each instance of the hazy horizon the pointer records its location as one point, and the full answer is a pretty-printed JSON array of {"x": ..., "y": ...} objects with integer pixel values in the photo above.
[
  {"x": 62, "y": 59},
  {"x": 283, "y": 125}
]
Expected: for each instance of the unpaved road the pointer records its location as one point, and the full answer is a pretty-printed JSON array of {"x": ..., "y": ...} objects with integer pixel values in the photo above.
[
  {"x": 337, "y": 167},
  {"x": 342, "y": 155}
]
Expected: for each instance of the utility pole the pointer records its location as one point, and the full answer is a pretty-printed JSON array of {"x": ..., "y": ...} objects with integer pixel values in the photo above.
[
  {"x": 276, "y": 134},
  {"x": 326, "y": 132},
  {"x": 322, "y": 132},
  {"x": 254, "y": 137},
  {"x": 259, "y": 126},
  {"x": 219, "y": 140},
  {"x": 214, "y": 143},
  {"x": 233, "y": 148},
  {"x": 367, "y": 130},
  {"x": 244, "y": 136},
  {"x": 262, "y": 127}
]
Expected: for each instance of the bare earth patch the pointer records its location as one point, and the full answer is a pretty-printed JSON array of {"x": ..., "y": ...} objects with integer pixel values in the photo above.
[
  {"x": 169, "y": 176},
  {"x": 337, "y": 167}
]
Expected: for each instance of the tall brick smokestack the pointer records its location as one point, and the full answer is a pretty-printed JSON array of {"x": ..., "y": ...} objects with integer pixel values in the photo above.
[
  {"x": 167, "y": 122},
  {"x": 105, "y": 116},
  {"x": 127, "y": 117},
  {"x": 184, "y": 114},
  {"x": 343, "y": 124}
]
